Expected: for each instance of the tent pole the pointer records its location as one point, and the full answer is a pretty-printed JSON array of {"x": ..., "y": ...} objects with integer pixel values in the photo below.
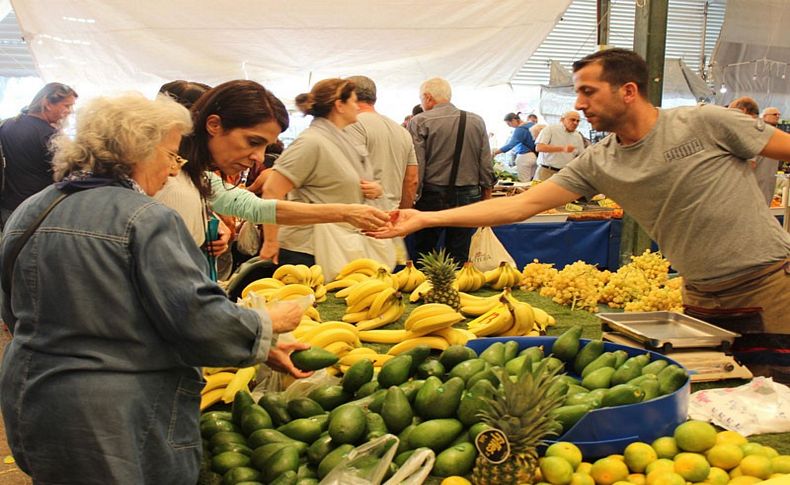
[
  {"x": 602, "y": 8},
  {"x": 650, "y": 34}
]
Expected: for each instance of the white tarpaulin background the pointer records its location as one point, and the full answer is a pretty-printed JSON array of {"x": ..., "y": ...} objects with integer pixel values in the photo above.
[{"x": 101, "y": 46}]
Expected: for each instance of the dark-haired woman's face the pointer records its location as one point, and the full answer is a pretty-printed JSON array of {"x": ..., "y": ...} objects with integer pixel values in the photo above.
[{"x": 237, "y": 149}]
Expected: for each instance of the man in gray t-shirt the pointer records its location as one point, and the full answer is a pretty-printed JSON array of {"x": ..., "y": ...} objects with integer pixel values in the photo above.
[{"x": 682, "y": 173}]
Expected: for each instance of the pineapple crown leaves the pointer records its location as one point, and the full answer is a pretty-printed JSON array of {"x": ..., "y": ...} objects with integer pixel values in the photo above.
[
  {"x": 440, "y": 258},
  {"x": 523, "y": 407}
]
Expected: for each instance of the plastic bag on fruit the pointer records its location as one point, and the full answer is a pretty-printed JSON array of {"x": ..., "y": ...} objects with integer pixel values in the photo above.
[
  {"x": 486, "y": 252},
  {"x": 368, "y": 465},
  {"x": 760, "y": 406}
]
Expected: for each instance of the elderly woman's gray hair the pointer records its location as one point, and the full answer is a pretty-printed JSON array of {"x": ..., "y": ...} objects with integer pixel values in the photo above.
[{"x": 114, "y": 134}]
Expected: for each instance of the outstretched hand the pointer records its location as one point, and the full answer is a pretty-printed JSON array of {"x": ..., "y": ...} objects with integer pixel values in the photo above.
[
  {"x": 402, "y": 222},
  {"x": 280, "y": 359},
  {"x": 365, "y": 217}
]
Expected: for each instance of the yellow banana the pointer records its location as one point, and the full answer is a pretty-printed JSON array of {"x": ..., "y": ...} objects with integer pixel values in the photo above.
[
  {"x": 392, "y": 314},
  {"x": 542, "y": 319},
  {"x": 361, "y": 265},
  {"x": 494, "y": 322},
  {"x": 207, "y": 371},
  {"x": 322, "y": 339},
  {"x": 384, "y": 336},
  {"x": 287, "y": 272},
  {"x": 211, "y": 398},
  {"x": 426, "y": 310},
  {"x": 503, "y": 279},
  {"x": 218, "y": 380},
  {"x": 353, "y": 357},
  {"x": 365, "y": 289},
  {"x": 455, "y": 336},
  {"x": 240, "y": 382},
  {"x": 493, "y": 274},
  {"x": 339, "y": 284},
  {"x": 320, "y": 293},
  {"x": 480, "y": 308},
  {"x": 309, "y": 334},
  {"x": 430, "y": 324},
  {"x": 403, "y": 275},
  {"x": 312, "y": 313},
  {"x": 262, "y": 284},
  {"x": 419, "y": 292},
  {"x": 377, "y": 306},
  {"x": 316, "y": 275},
  {"x": 293, "y": 290},
  {"x": 355, "y": 317},
  {"x": 339, "y": 348},
  {"x": 362, "y": 305},
  {"x": 471, "y": 300},
  {"x": 432, "y": 341}
]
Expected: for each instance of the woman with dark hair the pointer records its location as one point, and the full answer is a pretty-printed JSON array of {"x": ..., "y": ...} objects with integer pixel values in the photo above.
[
  {"x": 321, "y": 166},
  {"x": 184, "y": 92},
  {"x": 233, "y": 124}
]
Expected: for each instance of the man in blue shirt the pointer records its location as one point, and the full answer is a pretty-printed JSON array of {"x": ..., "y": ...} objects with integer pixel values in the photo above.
[{"x": 524, "y": 146}]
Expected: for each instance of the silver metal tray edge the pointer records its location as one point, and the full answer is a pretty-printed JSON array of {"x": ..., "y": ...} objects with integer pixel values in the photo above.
[{"x": 623, "y": 322}]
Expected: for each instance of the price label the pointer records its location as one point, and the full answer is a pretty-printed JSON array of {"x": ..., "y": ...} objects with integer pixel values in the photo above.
[{"x": 493, "y": 445}]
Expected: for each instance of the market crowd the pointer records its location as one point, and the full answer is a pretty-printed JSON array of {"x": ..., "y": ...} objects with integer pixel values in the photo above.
[{"x": 114, "y": 237}]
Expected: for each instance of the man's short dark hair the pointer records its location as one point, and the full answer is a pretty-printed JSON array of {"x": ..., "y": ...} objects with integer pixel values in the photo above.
[
  {"x": 618, "y": 66},
  {"x": 511, "y": 116},
  {"x": 365, "y": 89}
]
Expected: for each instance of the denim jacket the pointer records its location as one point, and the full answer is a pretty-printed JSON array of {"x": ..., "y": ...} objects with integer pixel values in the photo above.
[{"x": 112, "y": 311}]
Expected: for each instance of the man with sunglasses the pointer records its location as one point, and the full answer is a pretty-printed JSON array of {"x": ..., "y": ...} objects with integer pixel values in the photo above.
[
  {"x": 557, "y": 145},
  {"x": 24, "y": 140}
]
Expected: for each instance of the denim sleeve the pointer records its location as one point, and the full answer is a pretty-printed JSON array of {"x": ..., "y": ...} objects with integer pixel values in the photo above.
[
  {"x": 187, "y": 309},
  {"x": 234, "y": 201}
]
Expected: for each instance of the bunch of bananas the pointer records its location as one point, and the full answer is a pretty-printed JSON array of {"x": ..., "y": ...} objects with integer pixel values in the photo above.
[
  {"x": 409, "y": 277},
  {"x": 332, "y": 336},
  {"x": 474, "y": 306},
  {"x": 361, "y": 353},
  {"x": 503, "y": 276},
  {"x": 365, "y": 266},
  {"x": 312, "y": 277},
  {"x": 510, "y": 317},
  {"x": 470, "y": 278},
  {"x": 264, "y": 287},
  {"x": 373, "y": 304},
  {"x": 347, "y": 281},
  {"x": 222, "y": 384}
]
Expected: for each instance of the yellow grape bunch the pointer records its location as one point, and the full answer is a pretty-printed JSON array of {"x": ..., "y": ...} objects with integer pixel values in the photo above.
[
  {"x": 578, "y": 285},
  {"x": 537, "y": 274}
]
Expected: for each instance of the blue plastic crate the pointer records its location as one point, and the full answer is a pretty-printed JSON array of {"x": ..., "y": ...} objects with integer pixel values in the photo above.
[{"x": 609, "y": 430}]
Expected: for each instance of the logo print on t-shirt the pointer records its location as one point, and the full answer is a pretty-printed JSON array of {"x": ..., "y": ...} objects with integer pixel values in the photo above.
[{"x": 685, "y": 150}]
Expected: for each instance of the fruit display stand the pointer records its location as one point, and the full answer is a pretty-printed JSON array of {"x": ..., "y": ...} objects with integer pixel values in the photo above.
[{"x": 609, "y": 430}]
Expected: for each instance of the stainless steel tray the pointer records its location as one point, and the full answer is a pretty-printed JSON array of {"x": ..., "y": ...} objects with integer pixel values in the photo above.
[{"x": 667, "y": 330}]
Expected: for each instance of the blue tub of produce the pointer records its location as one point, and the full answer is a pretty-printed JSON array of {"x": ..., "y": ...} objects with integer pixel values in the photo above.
[{"x": 607, "y": 431}]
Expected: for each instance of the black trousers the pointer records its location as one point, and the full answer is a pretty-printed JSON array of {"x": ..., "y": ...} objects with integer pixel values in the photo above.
[{"x": 456, "y": 240}]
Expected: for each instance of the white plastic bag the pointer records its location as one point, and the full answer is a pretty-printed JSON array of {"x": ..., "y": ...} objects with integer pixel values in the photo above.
[
  {"x": 760, "y": 406},
  {"x": 248, "y": 240},
  {"x": 486, "y": 252},
  {"x": 334, "y": 245},
  {"x": 366, "y": 464},
  {"x": 415, "y": 470}
]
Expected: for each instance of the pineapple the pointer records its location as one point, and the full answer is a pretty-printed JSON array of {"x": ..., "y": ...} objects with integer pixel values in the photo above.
[
  {"x": 520, "y": 410},
  {"x": 440, "y": 269}
]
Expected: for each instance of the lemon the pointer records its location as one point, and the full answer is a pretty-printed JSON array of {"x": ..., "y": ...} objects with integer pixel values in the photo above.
[
  {"x": 660, "y": 464},
  {"x": 664, "y": 477},
  {"x": 582, "y": 479},
  {"x": 726, "y": 456},
  {"x": 695, "y": 436},
  {"x": 717, "y": 476},
  {"x": 584, "y": 467},
  {"x": 752, "y": 449},
  {"x": 665, "y": 447},
  {"x": 638, "y": 456},
  {"x": 556, "y": 470},
  {"x": 637, "y": 478},
  {"x": 756, "y": 466},
  {"x": 456, "y": 480},
  {"x": 693, "y": 467},
  {"x": 730, "y": 438},
  {"x": 606, "y": 471},
  {"x": 781, "y": 464},
  {"x": 770, "y": 452},
  {"x": 570, "y": 452}
]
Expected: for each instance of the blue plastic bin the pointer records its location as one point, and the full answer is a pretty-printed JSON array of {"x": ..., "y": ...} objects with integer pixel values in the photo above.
[{"x": 608, "y": 431}]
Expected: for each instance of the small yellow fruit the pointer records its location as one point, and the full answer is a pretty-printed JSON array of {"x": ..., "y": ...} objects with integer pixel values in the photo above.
[
  {"x": 664, "y": 477},
  {"x": 744, "y": 480},
  {"x": 695, "y": 436},
  {"x": 606, "y": 471},
  {"x": 781, "y": 464},
  {"x": 717, "y": 476},
  {"x": 584, "y": 467},
  {"x": 638, "y": 456},
  {"x": 637, "y": 478},
  {"x": 730, "y": 437},
  {"x": 665, "y": 447},
  {"x": 693, "y": 467},
  {"x": 582, "y": 479},
  {"x": 756, "y": 466},
  {"x": 556, "y": 470},
  {"x": 456, "y": 480},
  {"x": 725, "y": 456},
  {"x": 570, "y": 452},
  {"x": 661, "y": 464},
  {"x": 752, "y": 449}
]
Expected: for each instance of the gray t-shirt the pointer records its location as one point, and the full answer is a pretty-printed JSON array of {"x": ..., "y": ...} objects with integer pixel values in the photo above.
[
  {"x": 557, "y": 135},
  {"x": 688, "y": 185},
  {"x": 390, "y": 149},
  {"x": 318, "y": 164}
]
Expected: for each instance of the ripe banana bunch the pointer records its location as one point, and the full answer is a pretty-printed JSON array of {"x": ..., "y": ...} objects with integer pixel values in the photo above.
[
  {"x": 349, "y": 280},
  {"x": 384, "y": 274},
  {"x": 523, "y": 316},
  {"x": 385, "y": 336},
  {"x": 386, "y": 308},
  {"x": 496, "y": 321},
  {"x": 355, "y": 355},
  {"x": 291, "y": 291},
  {"x": 419, "y": 292},
  {"x": 470, "y": 278},
  {"x": 223, "y": 386},
  {"x": 473, "y": 305},
  {"x": 262, "y": 285},
  {"x": 503, "y": 276},
  {"x": 366, "y": 266},
  {"x": 429, "y": 318},
  {"x": 360, "y": 296},
  {"x": 325, "y": 334},
  {"x": 543, "y": 319},
  {"x": 409, "y": 277},
  {"x": 455, "y": 336},
  {"x": 293, "y": 274}
]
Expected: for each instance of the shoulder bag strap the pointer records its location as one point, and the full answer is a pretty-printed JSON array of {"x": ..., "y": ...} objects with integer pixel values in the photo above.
[
  {"x": 10, "y": 260},
  {"x": 459, "y": 146}
]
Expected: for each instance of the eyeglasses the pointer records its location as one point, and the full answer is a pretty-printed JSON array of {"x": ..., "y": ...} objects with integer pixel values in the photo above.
[{"x": 177, "y": 159}]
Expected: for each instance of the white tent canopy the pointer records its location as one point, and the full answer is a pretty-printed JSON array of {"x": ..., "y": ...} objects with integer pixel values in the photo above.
[{"x": 113, "y": 45}]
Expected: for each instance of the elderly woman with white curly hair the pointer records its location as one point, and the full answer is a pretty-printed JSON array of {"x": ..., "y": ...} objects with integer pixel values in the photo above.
[{"x": 105, "y": 293}]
